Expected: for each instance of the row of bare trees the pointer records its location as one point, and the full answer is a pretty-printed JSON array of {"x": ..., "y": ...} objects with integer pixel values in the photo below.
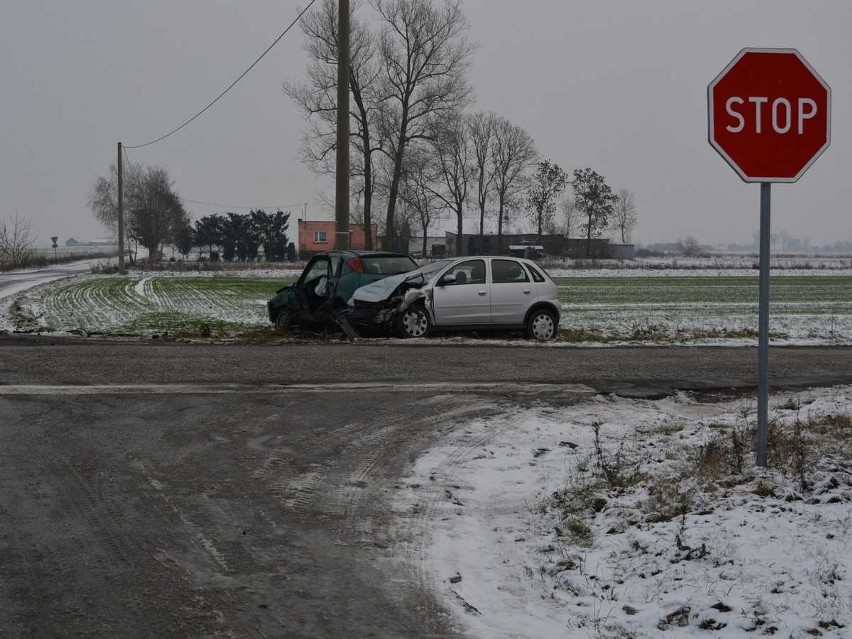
[
  {"x": 471, "y": 162},
  {"x": 416, "y": 147},
  {"x": 591, "y": 208},
  {"x": 407, "y": 75}
]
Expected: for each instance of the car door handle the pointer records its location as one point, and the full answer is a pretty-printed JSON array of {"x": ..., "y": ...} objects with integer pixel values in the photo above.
[
  {"x": 526, "y": 292},
  {"x": 483, "y": 293}
]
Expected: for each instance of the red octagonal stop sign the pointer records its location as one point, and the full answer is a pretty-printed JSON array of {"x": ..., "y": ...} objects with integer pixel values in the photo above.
[{"x": 770, "y": 115}]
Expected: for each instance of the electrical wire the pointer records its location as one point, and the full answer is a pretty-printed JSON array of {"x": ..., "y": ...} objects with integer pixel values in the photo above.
[
  {"x": 231, "y": 86},
  {"x": 234, "y": 206},
  {"x": 229, "y": 206}
]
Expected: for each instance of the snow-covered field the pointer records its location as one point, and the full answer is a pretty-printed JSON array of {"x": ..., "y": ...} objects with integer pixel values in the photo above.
[
  {"x": 699, "y": 266},
  {"x": 144, "y": 304},
  {"x": 531, "y": 525},
  {"x": 660, "y": 307},
  {"x": 558, "y": 273},
  {"x": 709, "y": 324}
]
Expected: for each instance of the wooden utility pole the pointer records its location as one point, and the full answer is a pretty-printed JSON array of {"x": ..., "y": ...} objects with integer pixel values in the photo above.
[
  {"x": 342, "y": 194},
  {"x": 120, "y": 166}
]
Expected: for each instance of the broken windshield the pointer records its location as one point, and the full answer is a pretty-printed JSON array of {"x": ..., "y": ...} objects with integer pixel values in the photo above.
[{"x": 388, "y": 264}]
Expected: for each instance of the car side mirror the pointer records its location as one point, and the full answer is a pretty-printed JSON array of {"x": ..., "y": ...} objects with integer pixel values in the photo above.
[{"x": 449, "y": 278}]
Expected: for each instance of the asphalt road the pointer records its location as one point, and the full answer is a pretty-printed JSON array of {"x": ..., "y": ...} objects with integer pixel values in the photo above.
[
  {"x": 45, "y": 360},
  {"x": 15, "y": 282},
  {"x": 198, "y": 490}
]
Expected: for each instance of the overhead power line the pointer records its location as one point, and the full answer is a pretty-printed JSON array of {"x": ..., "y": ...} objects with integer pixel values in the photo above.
[
  {"x": 234, "y": 206},
  {"x": 230, "y": 86},
  {"x": 231, "y": 206}
]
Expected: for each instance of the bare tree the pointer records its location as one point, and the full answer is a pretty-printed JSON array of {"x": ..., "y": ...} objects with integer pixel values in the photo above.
[
  {"x": 547, "y": 183},
  {"x": 17, "y": 236},
  {"x": 418, "y": 191},
  {"x": 453, "y": 168},
  {"x": 690, "y": 247},
  {"x": 514, "y": 153},
  {"x": 624, "y": 214},
  {"x": 481, "y": 129},
  {"x": 425, "y": 58},
  {"x": 103, "y": 200},
  {"x": 570, "y": 214},
  {"x": 317, "y": 99},
  {"x": 594, "y": 197},
  {"x": 155, "y": 211}
]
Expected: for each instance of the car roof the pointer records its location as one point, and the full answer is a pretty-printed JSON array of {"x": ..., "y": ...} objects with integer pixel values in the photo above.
[
  {"x": 363, "y": 253},
  {"x": 489, "y": 257}
]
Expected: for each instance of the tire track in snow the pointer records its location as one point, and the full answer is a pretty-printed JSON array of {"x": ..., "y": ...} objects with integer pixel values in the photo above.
[
  {"x": 465, "y": 445},
  {"x": 380, "y": 444}
]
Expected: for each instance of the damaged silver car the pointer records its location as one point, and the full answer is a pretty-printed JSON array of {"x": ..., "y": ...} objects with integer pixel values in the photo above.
[{"x": 468, "y": 293}]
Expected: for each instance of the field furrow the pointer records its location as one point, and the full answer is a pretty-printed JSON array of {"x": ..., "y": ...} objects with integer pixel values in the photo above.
[{"x": 652, "y": 309}]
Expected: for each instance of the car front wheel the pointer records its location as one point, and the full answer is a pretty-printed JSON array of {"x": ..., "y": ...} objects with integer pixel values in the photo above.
[
  {"x": 541, "y": 325},
  {"x": 413, "y": 322},
  {"x": 283, "y": 320}
]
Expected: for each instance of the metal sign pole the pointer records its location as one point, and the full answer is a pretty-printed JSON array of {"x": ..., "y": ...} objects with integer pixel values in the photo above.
[
  {"x": 763, "y": 327},
  {"x": 765, "y": 154}
]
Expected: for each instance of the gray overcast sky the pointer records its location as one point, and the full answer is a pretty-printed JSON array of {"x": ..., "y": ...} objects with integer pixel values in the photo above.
[{"x": 617, "y": 85}]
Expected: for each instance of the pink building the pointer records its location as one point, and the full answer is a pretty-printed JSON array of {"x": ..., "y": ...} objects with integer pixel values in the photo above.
[{"x": 315, "y": 237}]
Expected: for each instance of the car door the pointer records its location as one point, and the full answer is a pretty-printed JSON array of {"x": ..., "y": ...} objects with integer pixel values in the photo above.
[
  {"x": 314, "y": 287},
  {"x": 465, "y": 299},
  {"x": 512, "y": 292}
]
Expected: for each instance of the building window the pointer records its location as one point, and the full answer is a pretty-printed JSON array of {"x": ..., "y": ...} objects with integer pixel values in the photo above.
[{"x": 320, "y": 237}]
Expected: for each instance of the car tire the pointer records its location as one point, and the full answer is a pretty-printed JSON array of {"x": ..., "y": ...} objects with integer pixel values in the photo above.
[
  {"x": 283, "y": 321},
  {"x": 413, "y": 322},
  {"x": 541, "y": 325}
]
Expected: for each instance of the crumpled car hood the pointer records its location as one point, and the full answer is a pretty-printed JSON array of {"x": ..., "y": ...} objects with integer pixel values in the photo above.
[{"x": 378, "y": 291}]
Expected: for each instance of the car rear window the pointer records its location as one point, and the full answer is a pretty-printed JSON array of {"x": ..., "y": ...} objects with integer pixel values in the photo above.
[
  {"x": 387, "y": 264},
  {"x": 536, "y": 275}
]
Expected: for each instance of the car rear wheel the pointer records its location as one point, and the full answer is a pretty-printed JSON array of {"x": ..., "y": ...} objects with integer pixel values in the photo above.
[
  {"x": 541, "y": 325},
  {"x": 283, "y": 320},
  {"x": 413, "y": 322}
]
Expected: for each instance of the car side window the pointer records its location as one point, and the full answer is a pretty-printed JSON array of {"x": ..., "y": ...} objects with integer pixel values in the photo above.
[
  {"x": 315, "y": 271},
  {"x": 538, "y": 277},
  {"x": 507, "y": 271},
  {"x": 469, "y": 272}
]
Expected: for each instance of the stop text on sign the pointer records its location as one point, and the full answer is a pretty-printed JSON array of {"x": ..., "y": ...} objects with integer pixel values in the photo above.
[
  {"x": 769, "y": 115},
  {"x": 781, "y": 112}
]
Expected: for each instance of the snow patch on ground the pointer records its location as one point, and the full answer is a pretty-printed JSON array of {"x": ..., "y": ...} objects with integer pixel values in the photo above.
[
  {"x": 755, "y": 557},
  {"x": 139, "y": 287}
]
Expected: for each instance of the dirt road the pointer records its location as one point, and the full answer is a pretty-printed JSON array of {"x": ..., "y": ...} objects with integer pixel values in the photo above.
[
  {"x": 260, "y": 515},
  {"x": 14, "y": 282},
  {"x": 45, "y": 360},
  {"x": 208, "y": 490}
]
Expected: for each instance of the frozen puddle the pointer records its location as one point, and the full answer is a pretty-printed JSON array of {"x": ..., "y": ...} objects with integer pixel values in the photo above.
[{"x": 514, "y": 524}]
